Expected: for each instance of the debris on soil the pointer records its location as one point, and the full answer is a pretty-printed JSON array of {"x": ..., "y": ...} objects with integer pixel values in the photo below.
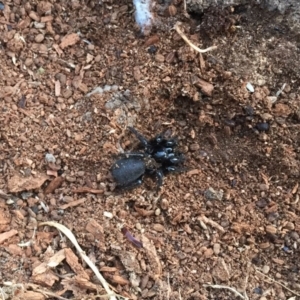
[
  {"x": 19, "y": 183},
  {"x": 75, "y": 75}
]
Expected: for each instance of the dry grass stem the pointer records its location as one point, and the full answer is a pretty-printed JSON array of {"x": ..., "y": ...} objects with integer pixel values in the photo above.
[
  {"x": 184, "y": 37},
  {"x": 226, "y": 288},
  {"x": 281, "y": 284},
  {"x": 71, "y": 237}
]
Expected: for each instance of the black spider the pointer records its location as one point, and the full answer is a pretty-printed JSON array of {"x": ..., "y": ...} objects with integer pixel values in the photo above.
[{"x": 159, "y": 158}]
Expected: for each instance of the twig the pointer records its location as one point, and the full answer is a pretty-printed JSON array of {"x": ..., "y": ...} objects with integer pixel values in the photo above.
[
  {"x": 2, "y": 294},
  {"x": 168, "y": 291},
  {"x": 226, "y": 288},
  {"x": 184, "y": 37},
  {"x": 281, "y": 284},
  {"x": 46, "y": 293},
  {"x": 214, "y": 224},
  {"x": 71, "y": 237}
]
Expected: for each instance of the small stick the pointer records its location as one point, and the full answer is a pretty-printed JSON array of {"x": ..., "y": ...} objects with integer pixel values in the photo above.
[
  {"x": 184, "y": 37},
  {"x": 281, "y": 284},
  {"x": 71, "y": 237},
  {"x": 226, "y": 288}
]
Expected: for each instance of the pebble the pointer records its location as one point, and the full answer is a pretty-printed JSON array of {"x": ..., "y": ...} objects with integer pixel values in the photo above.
[
  {"x": 138, "y": 226},
  {"x": 39, "y": 38},
  {"x": 294, "y": 235},
  {"x": 70, "y": 179},
  {"x": 157, "y": 212},
  {"x": 158, "y": 227},
  {"x": 67, "y": 93},
  {"x": 258, "y": 290},
  {"x": 266, "y": 269},
  {"x": 250, "y": 87},
  {"x": 211, "y": 194},
  {"x": 26, "y": 195},
  {"x": 262, "y": 203},
  {"x": 28, "y": 62},
  {"x": 289, "y": 226},
  {"x": 164, "y": 204},
  {"x": 50, "y": 158},
  {"x": 159, "y": 58},
  {"x": 278, "y": 275},
  {"x": 262, "y": 126},
  {"x": 266, "y": 117},
  {"x": 194, "y": 147},
  {"x": 217, "y": 248}
]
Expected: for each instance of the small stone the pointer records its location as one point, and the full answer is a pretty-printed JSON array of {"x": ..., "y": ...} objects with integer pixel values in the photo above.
[
  {"x": 294, "y": 235},
  {"x": 250, "y": 87},
  {"x": 108, "y": 214},
  {"x": 289, "y": 226},
  {"x": 80, "y": 173},
  {"x": 67, "y": 93},
  {"x": 50, "y": 158},
  {"x": 265, "y": 269},
  {"x": 157, "y": 212},
  {"x": 262, "y": 203},
  {"x": 159, "y": 58},
  {"x": 138, "y": 226},
  {"x": 194, "y": 147},
  {"x": 262, "y": 126},
  {"x": 264, "y": 245},
  {"x": 278, "y": 275},
  {"x": 70, "y": 179},
  {"x": 39, "y": 38},
  {"x": 211, "y": 194},
  {"x": 217, "y": 248},
  {"x": 271, "y": 229},
  {"x": 266, "y": 117},
  {"x": 164, "y": 204},
  {"x": 263, "y": 187},
  {"x": 158, "y": 227},
  {"x": 28, "y": 62}
]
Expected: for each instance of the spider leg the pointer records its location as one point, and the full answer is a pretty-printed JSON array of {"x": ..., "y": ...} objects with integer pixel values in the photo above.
[
  {"x": 173, "y": 169},
  {"x": 131, "y": 185},
  {"x": 133, "y": 155},
  {"x": 159, "y": 178},
  {"x": 141, "y": 138}
]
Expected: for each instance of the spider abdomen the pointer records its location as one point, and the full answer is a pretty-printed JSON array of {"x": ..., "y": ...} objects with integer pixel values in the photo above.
[{"x": 127, "y": 170}]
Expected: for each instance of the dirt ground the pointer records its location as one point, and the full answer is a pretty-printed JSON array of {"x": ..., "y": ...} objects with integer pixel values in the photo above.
[{"x": 73, "y": 76}]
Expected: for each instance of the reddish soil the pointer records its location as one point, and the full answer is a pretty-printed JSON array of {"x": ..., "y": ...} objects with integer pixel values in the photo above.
[{"x": 231, "y": 218}]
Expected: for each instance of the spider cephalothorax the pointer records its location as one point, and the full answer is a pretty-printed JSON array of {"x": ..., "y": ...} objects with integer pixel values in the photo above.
[{"x": 158, "y": 158}]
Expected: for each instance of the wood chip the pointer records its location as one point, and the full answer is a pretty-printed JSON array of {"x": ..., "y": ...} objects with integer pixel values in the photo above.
[
  {"x": 6, "y": 235},
  {"x": 86, "y": 189},
  {"x": 53, "y": 185},
  {"x": 19, "y": 183},
  {"x": 73, "y": 203},
  {"x": 69, "y": 40},
  {"x": 72, "y": 261},
  {"x": 205, "y": 87}
]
